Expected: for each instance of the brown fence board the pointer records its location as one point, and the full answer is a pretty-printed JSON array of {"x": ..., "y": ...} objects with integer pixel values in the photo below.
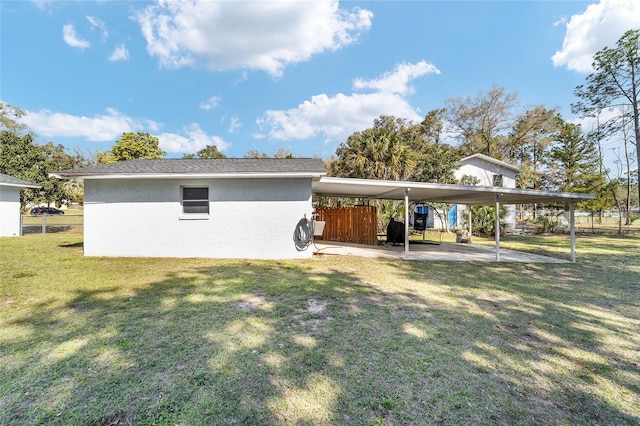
[{"x": 356, "y": 224}]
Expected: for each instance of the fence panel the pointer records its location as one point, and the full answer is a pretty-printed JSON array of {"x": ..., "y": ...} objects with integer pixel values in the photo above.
[
  {"x": 51, "y": 223},
  {"x": 357, "y": 224}
]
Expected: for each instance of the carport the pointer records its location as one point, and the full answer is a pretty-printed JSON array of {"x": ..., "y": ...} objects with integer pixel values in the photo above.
[{"x": 444, "y": 193}]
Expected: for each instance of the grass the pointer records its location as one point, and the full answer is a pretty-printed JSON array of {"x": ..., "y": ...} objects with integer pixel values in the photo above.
[{"x": 331, "y": 340}]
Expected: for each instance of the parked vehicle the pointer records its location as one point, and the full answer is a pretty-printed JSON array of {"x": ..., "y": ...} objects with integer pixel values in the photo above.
[{"x": 39, "y": 211}]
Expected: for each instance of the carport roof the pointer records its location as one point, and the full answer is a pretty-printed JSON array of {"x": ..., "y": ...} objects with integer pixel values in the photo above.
[{"x": 437, "y": 192}]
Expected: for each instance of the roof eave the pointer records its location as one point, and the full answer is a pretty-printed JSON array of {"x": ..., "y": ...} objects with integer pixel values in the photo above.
[
  {"x": 494, "y": 161},
  {"x": 19, "y": 185},
  {"x": 235, "y": 175}
]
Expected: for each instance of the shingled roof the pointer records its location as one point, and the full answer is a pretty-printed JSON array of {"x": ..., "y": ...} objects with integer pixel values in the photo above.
[
  {"x": 201, "y": 167},
  {"x": 6, "y": 180}
]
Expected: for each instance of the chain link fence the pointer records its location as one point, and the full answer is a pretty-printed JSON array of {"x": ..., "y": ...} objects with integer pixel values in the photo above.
[{"x": 43, "y": 224}]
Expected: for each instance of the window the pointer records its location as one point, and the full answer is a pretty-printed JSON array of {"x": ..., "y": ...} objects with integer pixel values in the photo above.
[
  {"x": 195, "y": 200},
  {"x": 497, "y": 180}
]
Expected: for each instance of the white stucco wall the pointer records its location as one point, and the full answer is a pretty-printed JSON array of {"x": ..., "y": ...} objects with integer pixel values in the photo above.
[
  {"x": 9, "y": 211},
  {"x": 485, "y": 170},
  {"x": 248, "y": 218}
]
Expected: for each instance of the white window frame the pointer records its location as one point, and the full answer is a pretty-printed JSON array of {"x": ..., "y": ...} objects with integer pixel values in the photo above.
[
  {"x": 193, "y": 215},
  {"x": 500, "y": 179}
]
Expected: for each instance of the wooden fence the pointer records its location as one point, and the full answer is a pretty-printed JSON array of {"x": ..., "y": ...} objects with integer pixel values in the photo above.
[{"x": 357, "y": 224}]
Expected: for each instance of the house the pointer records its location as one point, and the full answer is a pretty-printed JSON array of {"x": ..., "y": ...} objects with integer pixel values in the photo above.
[
  {"x": 10, "y": 219},
  {"x": 244, "y": 208},
  {"x": 218, "y": 208},
  {"x": 489, "y": 172}
]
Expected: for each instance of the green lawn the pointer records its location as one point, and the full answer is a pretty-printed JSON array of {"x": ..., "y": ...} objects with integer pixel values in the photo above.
[{"x": 331, "y": 340}]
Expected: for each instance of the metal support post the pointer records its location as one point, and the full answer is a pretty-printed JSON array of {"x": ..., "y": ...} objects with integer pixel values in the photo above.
[
  {"x": 406, "y": 222},
  {"x": 497, "y": 228},
  {"x": 572, "y": 219}
]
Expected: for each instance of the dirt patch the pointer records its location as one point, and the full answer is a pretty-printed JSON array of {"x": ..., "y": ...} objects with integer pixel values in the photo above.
[
  {"x": 115, "y": 420},
  {"x": 316, "y": 306},
  {"x": 252, "y": 303},
  {"x": 314, "y": 318}
]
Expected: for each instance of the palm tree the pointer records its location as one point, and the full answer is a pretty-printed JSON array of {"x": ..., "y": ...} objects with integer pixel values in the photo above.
[
  {"x": 75, "y": 189},
  {"x": 376, "y": 153}
]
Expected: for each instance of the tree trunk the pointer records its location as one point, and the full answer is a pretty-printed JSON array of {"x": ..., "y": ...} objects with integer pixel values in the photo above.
[
  {"x": 617, "y": 201},
  {"x": 636, "y": 122},
  {"x": 628, "y": 206}
]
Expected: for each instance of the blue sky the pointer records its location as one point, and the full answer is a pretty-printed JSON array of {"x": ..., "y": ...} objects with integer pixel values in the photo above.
[{"x": 299, "y": 75}]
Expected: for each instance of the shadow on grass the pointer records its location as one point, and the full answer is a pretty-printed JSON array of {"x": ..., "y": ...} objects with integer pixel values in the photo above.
[
  {"x": 73, "y": 245},
  {"x": 270, "y": 343},
  {"x": 51, "y": 229}
]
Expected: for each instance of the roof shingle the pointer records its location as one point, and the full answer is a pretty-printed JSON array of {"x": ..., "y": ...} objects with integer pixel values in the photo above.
[
  {"x": 7, "y": 180},
  {"x": 167, "y": 166}
]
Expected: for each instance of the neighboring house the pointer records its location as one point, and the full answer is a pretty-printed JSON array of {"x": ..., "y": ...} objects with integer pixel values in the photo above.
[
  {"x": 218, "y": 208},
  {"x": 10, "y": 223},
  {"x": 490, "y": 172}
]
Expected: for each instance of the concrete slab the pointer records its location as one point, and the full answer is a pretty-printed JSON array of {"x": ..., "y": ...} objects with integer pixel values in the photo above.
[{"x": 443, "y": 252}]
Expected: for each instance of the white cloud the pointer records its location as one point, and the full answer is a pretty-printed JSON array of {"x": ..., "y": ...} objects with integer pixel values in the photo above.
[
  {"x": 338, "y": 116},
  {"x": 109, "y": 127},
  {"x": 210, "y": 103},
  {"x": 44, "y": 5},
  {"x": 600, "y": 25},
  {"x": 69, "y": 36},
  {"x": 234, "y": 124},
  {"x": 99, "y": 128},
  {"x": 98, "y": 23},
  {"x": 263, "y": 35},
  {"x": 120, "y": 53},
  {"x": 397, "y": 81},
  {"x": 193, "y": 140},
  {"x": 561, "y": 21}
]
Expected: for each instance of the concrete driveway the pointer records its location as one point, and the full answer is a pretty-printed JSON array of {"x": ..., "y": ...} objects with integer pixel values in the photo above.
[{"x": 445, "y": 252}]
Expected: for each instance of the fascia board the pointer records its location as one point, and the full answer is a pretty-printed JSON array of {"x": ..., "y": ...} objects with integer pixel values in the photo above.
[{"x": 186, "y": 175}]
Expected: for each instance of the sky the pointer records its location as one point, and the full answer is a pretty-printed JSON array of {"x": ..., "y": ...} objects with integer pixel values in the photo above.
[{"x": 299, "y": 75}]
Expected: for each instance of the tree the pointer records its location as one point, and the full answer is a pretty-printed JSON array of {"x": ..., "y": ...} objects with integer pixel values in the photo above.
[
  {"x": 433, "y": 125},
  {"x": 614, "y": 85},
  {"x": 436, "y": 163},
  {"x": 22, "y": 157},
  {"x": 209, "y": 151},
  {"x": 75, "y": 189},
  {"x": 280, "y": 153},
  {"x": 483, "y": 219},
  {"x": 479, "y": 123},
  {"x": 573, "y": 160},
  {"x": 528, "y": 140},
  {"x": 9, "y": 116},
  {"x": 131, "y": 146},
  {"x": 375, "y": 153}
]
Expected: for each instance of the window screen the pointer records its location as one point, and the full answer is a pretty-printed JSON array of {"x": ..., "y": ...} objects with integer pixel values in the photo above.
[
  {"x": 195, "y": 200},
  {"x": 497, "y": 180}
]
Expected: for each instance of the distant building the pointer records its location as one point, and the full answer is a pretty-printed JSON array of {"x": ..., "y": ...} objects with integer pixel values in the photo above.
[
  {"x": 10, "y": 224},
  {"x": 490, "y": 172}
]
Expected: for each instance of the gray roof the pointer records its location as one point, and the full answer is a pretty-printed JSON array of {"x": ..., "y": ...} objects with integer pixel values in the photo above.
[
  {"x": 6, "y": 180},
  {"x": 168, "y": 167}
]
